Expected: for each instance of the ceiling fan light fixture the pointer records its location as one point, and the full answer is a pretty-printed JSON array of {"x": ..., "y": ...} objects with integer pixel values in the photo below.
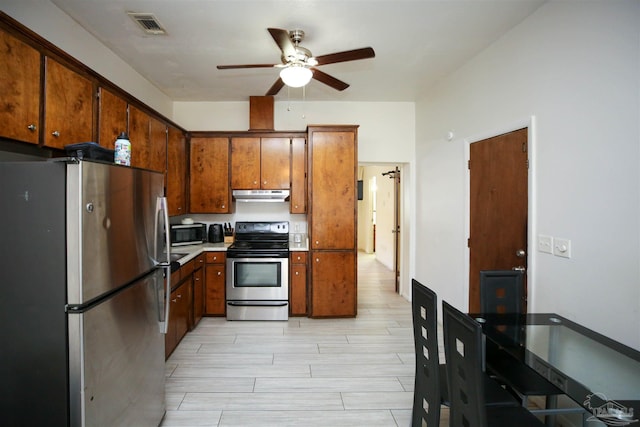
[{"x": 296, "y": 75}]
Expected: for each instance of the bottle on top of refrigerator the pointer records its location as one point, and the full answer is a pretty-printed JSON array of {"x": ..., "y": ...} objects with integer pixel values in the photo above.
[{"x": 123, "y": 150}]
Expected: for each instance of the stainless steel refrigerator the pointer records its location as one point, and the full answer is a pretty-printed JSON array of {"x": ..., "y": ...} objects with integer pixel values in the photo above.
[{"x": 84, "y": 301}]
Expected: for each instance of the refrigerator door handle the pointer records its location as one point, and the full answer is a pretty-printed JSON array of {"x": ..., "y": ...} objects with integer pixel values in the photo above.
[
  {"x": 162, "y": 212},
  {"x": 161, "y": 209}
]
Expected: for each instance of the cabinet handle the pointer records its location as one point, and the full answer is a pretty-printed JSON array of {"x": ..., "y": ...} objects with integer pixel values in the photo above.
[
  {"x": 297, "y": 273},
  {"x": 32, "y": 128},
  {"x": 255, "y": 182},
  {"x": 55, "y": 133},
  {"x": 317, "y": 242},
  {"x": 179, "y": 296},
  {"x": 265, "y": 183},
  {"x": 223, "y": 207},
  {"x": 174, "y": 300},
  {"x": 197, "y": 279},
  {"x": 317, "y": 259},
  {"x": 219, "y": 273}
]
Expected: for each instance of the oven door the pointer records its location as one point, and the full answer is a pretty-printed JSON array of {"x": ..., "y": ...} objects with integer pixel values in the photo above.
[{"x": 257, "y": 279}]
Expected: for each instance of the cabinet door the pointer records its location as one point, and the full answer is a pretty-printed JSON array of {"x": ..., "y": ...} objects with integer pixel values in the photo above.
[
  {"x": 183, "y": 299},
  {"x": 298, "y": 195},
  {"x": 215, "y": 303},
  {"x": 158, "y": 145},
  {"x": 176, "y": 172},
  {"x": 275, "y": 163},
  {"x": 112, "y": 118},
  {"x": 20, "y": 89},
  {"x": 139, "y": 136},
  {"x": 68, "y": 106},
  {"x": 198, "y": 296},
  {"x": 209, "y": 176},
  {"x": 245, "y": 163},
  {"x": 333, "y": 274},
  {"x": 298, "y": 290},
  {"x": 148, "y": 138},
  {"x": 333, "y": 196}
]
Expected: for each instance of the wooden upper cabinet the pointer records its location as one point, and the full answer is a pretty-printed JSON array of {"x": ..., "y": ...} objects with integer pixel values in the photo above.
[
  {"x": 112, "y": 117},
  {"x": 158, "y": 148},
  {"x": 209, "y": 175},
  {"x": 298, "y": 196},
  {"x": 333, "y": 191},
  {"x": 148, "y": 138},
  {"x": 260, "y": 163},
  {"x": 245, "y": 163},
  {"x": 20, "y": 89},
  {"x": 68, "y": 106},
  {"x": 275, "y": 163},
  {"x": 176, "y": 172}
]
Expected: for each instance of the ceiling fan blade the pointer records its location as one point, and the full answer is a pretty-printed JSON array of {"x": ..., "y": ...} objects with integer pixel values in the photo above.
[
  {"x": 279, "y": 84},
  {"x": 329, "y": 80},
  {"x": 347, "y": 55},
  {"x": 229, "y": 67},
  {"x": 283, "y": 41}
]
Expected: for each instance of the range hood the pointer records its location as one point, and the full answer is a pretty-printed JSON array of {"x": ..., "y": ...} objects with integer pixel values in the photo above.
[{"x": 261, "y": 195}]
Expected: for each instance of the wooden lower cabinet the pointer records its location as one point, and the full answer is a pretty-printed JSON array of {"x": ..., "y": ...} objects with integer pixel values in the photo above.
[
  {"x": 179, "y": 308},
  {"x": 198, "y": 291},
  {"x": 215, "y": 303},
  {"x": 334, "y": 291},
  {"x": 298, "y": 284}
]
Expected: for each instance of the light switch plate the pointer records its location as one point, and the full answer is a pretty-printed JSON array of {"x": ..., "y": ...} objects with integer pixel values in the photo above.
[
  {"x": 562, "y": 247},
  {"x": 545, "y": 244}
]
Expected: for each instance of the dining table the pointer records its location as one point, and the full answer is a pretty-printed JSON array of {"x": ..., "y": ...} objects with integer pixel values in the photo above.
[{"x": 599, "y": 373}]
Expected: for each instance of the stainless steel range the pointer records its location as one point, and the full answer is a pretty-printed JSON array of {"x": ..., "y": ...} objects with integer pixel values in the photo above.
[{"x": 258, "y": 272}]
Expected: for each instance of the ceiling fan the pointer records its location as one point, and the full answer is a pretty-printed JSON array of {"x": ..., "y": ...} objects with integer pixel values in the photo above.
[{"x": 299, "y": 65}]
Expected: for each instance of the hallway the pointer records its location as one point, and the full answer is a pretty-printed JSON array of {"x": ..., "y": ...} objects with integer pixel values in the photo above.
[{"x": 303, "y": 372}]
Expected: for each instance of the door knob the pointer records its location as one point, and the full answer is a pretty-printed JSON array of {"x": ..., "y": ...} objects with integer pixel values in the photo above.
[
  {"x": 519, "y": 268},
  {"x": 520, "y": 253}
]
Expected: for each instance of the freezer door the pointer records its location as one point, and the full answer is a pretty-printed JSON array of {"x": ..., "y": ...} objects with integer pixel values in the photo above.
[
  {"x": 112, "y": 227},
  {"x": 116, "y": 353}
]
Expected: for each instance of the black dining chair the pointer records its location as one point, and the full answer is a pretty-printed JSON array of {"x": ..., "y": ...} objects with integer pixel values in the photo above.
[
  {"x": 502, "y": 291},
  {"x": 430, "y": 386},
  {"x": 464, "y": 351}
]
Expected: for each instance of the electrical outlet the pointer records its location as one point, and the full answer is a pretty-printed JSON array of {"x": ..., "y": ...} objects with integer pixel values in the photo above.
[
  {"x": 562, "y": 247},
  {"x": 545, "y": 244}
]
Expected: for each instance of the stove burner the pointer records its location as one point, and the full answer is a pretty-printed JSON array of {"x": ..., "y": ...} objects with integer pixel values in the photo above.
[{"x": 260, "y": 239}]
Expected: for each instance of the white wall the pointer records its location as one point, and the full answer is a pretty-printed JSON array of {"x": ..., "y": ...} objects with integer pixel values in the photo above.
[
  {"x": 45, "y": 19},
  {"x": 386, "y": 133},
  {"x": 575, "y": 66}
]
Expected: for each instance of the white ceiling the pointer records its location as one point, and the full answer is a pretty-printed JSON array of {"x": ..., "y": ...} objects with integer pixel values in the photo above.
[{"x": 416, "y": 42}]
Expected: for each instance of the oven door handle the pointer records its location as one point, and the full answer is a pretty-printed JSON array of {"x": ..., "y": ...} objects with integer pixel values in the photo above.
[
  {"x": 257, "y": 303},
  {"x": 257, "y": 255}
]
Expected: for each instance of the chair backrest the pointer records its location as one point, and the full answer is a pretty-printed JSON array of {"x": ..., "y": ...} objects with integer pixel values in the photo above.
[
  {"x": 502, "y": 291},
  {"x": 426, "y": 395},
  {"x": 464, "y": 353}
]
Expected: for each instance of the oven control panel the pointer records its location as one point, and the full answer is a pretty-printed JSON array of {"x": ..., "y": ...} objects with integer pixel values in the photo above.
[{"x": 277, "y": 227}]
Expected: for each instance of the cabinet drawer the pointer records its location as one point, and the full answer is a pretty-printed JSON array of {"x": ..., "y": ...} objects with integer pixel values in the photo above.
[
  {"x": 187, "y": 269},
  {"x": 216, "y": 257},
  {"x": 298, "y": 257},
  {"x": 199, "y": 262}
]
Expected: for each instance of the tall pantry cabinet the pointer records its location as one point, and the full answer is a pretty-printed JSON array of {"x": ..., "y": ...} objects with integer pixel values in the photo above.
[{"x": 332, "y": 212}]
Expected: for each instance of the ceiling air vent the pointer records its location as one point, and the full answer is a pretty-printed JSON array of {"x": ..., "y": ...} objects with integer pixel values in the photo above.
[{"x": 148, "y": 22}]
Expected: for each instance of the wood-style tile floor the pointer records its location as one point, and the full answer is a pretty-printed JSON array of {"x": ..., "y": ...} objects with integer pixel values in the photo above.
[{"x": 303, "y": 372}]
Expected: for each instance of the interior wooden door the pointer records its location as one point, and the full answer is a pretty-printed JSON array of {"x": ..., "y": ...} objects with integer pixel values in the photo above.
[{"x": 498, "y": 207}]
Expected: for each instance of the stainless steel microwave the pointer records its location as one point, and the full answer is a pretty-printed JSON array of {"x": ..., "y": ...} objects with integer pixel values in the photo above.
[{"x": 188, "y": 234}]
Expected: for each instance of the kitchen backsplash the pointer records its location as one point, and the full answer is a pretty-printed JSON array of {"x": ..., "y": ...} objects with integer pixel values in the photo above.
[{"x": 278, "y": 211}]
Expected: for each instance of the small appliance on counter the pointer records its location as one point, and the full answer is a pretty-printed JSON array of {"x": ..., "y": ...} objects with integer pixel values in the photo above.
[
  {"x": 216, "y": 234},
  {"x": 188, "y": 234}
]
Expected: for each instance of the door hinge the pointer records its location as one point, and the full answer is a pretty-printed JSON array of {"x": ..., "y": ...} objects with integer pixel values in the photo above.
[
  {"x": 469, "y": 242},
  {"x": 469, "y": 164},
  {"x": 524, "y": 147}
]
